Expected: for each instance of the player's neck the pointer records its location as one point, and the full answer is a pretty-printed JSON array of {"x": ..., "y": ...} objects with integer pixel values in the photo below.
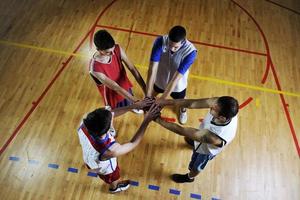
[{"x": 102, "y": 58}]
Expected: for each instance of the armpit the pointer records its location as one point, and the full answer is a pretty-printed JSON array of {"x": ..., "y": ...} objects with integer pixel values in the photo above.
[{"x": 96, "y": 80}]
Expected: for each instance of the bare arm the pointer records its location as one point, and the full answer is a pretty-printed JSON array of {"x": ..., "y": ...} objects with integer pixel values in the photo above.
[
  {"x": 133, "y": 70},
  {"x": 171, "y": 85},
  {"x": 112, "y": 85},
  {"x": 204, "y": 135},
  {"x": 188, "y": 103},
  {"x": 121, "y": 149},
  {"x": 152, "y": 71},
  {"x": 140, "y": 104}
]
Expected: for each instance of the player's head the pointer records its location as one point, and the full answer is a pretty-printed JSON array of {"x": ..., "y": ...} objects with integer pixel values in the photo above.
[
  {"x": 226, "y": 107},
  {"x": 176, "y": 35},
  {"x": 104, "y": 42},
  {"x": 98, "y": 122}
]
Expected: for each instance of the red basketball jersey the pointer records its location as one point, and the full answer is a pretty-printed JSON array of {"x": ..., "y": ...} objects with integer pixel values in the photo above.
[{"x": 115, "y": 71}]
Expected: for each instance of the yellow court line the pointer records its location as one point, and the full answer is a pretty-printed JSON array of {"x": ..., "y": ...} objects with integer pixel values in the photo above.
[
  {"x": 42, "y": 49},
  {"x": 203, "y": 78},
  {"x": 257, "y": 88}
]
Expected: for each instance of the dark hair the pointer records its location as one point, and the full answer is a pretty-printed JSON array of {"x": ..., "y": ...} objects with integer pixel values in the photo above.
[
  {"x": 98, "y": 121},
  {"x": 103, "y": 40},
  {"x": 177, "y": 34},
  {"x": 229, "y": 106}
]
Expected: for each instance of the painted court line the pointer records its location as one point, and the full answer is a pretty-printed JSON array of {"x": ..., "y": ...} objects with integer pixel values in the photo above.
[
  {"x": 282, "y": 6},
  {"x": 53, "y": 166},
  {"x": 195, "y": 196},
  {"x": 195, "y": 42},
  {"x": 204, "y": 78},
  {"x": 245, "y": 103},
  {"x": 153, "y": 187},
  {"x": 174, "y": 191},
  {"x": 33, "y": 162},
  {"x": 64, "y": 65},
  {"x": 134, "y": 183},
  {"x": 275, "y": 76},
  {"x": 13, "y": 158},
  {"x": 92, "y": 174},
  {"x": 73, "y": 170}
]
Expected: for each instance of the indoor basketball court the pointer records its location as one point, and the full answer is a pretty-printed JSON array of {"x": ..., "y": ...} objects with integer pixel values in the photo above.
[{"x": 246, "y": 49}]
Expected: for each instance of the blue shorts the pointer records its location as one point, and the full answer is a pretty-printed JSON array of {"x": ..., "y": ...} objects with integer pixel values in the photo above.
[
  {"x": 199, "y": 161},
  {"x": 125, "y": 102}
]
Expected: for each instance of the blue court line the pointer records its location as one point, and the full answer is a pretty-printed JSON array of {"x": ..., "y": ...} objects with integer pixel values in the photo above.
[
  {"x": 13, "y": 158},
  {"x": 92, "y": 174},
  {"x": 174, "y": 191},
  {"x": 153, "y": 187},
  {"x": 195, "y": 196},
  {"x": 134, "y": 183},
  {"x": 33, "y": 162},
  {"x": 54, "y": 166},
  {"x": 73, "y": 170}
]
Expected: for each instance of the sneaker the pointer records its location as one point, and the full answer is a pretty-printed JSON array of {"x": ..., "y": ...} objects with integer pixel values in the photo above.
[
  {"x": 182, "y": 117},
  {"x": 137, "y": 111},
  {"x": 122, "y": 186},
  {"x": 182, "y": 178},
  {"x": 189, "y": 141},
  {"x": 112, "y": 131}
]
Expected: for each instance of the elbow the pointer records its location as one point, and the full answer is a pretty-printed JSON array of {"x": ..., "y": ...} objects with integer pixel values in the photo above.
[{"x": 101, "y": 77}]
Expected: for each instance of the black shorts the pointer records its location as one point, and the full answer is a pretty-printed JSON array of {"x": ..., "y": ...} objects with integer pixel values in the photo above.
[{"x": 174, "y": 95}]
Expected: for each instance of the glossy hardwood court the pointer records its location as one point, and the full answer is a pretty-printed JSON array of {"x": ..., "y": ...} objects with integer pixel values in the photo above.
[{"x": 246, "y": 49}]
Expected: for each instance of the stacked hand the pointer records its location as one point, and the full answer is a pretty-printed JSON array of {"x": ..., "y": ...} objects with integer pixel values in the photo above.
[
  {"x": 145, "y": 104},
  {"x": 150, "y": 107},
  {"x": 153, "y": 112}
]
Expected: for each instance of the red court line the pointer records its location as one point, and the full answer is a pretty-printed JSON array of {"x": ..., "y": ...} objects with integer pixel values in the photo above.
[
  {"x": 168, "y": 119},
  {"x": 195, "y": 42},
  {"x": 277, "y": 4},
  {"x": 267, "y": 70},
  {"x": 262, "y": 34},
  {"x": 64, "y": 65},
  {"x": 245, "y": 103},
  {"x": 271, "y": 65}
]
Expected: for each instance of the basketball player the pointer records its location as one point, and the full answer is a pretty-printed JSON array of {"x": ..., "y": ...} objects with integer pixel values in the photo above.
[
  {"x": 216, "y": 131},
  {"x": 109, "y": 74},
  {"x": 171, "y": 58},
  {"x": 100, "y": 150}
]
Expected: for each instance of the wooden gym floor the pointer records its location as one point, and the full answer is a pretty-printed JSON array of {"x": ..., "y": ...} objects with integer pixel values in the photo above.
[{"x": 247, "y": 49}]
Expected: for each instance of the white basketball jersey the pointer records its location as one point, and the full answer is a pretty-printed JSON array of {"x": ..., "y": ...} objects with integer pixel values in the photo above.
[
  {"x": 92, "y": 150},
  {"x": 227, "y": 132}
]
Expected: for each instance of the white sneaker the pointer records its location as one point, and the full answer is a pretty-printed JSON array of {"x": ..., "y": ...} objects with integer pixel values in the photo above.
[
  {"x": 112, "y": 131},
  {"x": 137, "y": 111},
  {"x": 122, "y": 186},
  {"x": 182, "y": 117}
]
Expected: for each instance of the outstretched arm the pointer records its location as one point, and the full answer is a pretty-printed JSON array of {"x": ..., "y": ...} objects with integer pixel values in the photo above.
[
  {"x": 152, "y": 71},
  {"x": 140, "y": 104},
  {"x": 171, "y": 85},
  {"x": 183, "y": 68},
  {"x": 189, "y": 103},
  {"x": 133, "y": 70},
  {"x": 121, "y": 149},
  {"x": 112, "y": 85},
  {"x": 204, "y": 135}
]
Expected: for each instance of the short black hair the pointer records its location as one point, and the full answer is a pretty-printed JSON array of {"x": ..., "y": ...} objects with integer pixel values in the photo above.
[
  {"x": 103, "y": 40},
  {"x": 177, "y": 34},
  {"x": 229, "y": 106},
  {"x": 98, "y": 122}
]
